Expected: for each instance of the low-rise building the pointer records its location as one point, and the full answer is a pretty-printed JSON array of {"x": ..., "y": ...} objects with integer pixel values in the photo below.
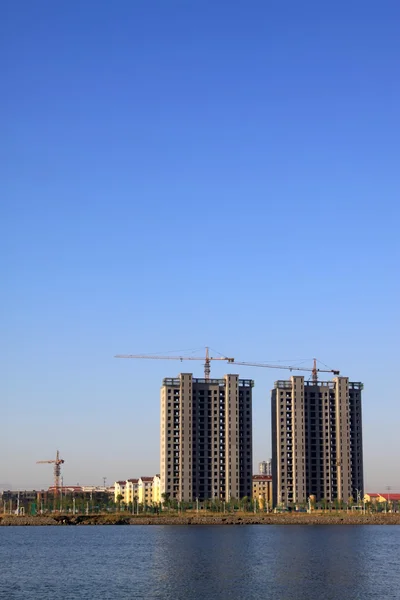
[
  {"x": 7, "y": 495},
  {"x": 119, "y": 490},
  {"x": 145, "y": 490},
  {"x": 66, "y": 489},
  {"x": 94, "y": 488},
  {"x": 388, "y": 498},
  {"x": 131, "y": 491},
  {"x": 262, "y": 490},
  {"x": 156, "y": 489}
]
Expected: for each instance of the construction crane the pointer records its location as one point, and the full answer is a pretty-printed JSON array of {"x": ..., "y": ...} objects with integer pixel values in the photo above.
[
  {"x": 57, "y": 470},
  {"x": 314, "y": 370},
  {"x": 207, "y": 359},
  {"x": 207, "y": 363}
]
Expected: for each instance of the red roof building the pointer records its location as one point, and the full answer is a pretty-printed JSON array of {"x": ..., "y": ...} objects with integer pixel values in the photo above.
[{"x": 382, "y": 497}]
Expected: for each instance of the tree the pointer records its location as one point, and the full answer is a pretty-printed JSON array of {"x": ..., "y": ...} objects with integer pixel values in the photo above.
[
  {"x": 216, "y": 504},
  {"x": 119, "y": 498},
  {"x": 323, "y": 503},
  {"x": 166, "y": 499}
]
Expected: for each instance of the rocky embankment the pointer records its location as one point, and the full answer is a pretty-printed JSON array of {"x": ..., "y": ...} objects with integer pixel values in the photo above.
[{"x": 195, "y": 519}]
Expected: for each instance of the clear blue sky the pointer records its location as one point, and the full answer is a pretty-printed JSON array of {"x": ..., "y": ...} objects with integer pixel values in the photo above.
[{"x": 177, "y": 174}]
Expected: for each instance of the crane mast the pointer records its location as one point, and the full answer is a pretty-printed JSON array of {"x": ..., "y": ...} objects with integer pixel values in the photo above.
[
  {"x": 207, "y": 359},
  {"x": 57, "y": 470}
]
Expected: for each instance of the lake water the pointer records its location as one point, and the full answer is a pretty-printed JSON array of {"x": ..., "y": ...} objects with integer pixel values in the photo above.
[{"x": 194, "y": 563}]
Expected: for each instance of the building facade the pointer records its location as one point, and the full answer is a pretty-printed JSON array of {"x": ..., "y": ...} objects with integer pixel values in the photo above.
[
  {"x": 119, "y": 490},
  {"x": 156, "y": 489},
  {"x": 145, "y": 491},
  {"x": 206, "y": 438},
  {"x": 262, "y": 490},
  {"x": 265, "y": 467},
  {"x": 392, "y": 500},
  {"x": 131, "y": 491},
  {"x": 316, "y": 440}
]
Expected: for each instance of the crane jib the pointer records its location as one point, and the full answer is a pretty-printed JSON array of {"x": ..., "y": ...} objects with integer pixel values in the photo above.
[{"x": 207, "y": 359}]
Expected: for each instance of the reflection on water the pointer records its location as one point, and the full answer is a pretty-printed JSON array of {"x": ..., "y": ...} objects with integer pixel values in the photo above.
[{"x": 189, "y": 562}]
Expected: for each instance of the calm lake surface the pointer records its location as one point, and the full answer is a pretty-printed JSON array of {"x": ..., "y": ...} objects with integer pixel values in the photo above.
[{"x": 192, "y": 563}]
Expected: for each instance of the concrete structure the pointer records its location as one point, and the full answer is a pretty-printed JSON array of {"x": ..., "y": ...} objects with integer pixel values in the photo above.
[
  {"x": 145, "y": 491},
  {"x": 131, "y": 491},
  {"x": 316, "y": 440},
  {"x": 265, "y": 467},
  {"x": 94, "y": 488},
  {"x": 26, "y": 495},
  {"x": 64, "y": 490},
  {"x": 262, "y": 490},
  {"x": 206, "y": 438}
]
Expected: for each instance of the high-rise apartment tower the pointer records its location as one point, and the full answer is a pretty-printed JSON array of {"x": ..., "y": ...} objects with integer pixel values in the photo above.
[
  {"x": 265, "y": 467},
  {"x": 206, "y": 438},
  {"x": 316, "y": 440}
]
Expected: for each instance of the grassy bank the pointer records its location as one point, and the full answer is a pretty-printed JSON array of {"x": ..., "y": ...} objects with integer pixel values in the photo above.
[{"x": 193, "y": 518}]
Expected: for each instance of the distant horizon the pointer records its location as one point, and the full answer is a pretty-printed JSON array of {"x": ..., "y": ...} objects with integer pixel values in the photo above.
[
  {"x": 256, "y": 462},
  {"x": 45, "y": 486}
]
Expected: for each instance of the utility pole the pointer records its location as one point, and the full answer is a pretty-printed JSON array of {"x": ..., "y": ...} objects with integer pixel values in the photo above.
[{"x": 388, "y": 487}]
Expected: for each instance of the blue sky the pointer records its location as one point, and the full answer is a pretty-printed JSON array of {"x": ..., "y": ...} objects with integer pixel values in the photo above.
[{"x": 181, "y": 174}]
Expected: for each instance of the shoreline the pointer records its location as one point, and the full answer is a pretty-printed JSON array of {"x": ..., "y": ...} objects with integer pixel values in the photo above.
[{"x": 340, "y": 518}]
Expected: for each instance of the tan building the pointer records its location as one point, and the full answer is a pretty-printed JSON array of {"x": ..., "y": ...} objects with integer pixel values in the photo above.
[
  {"x": 206, "y": 438},
  {"x": 316, "y": 440},
  {"x": 262, "y": 490},
  {"x": 145, "y": 491}
]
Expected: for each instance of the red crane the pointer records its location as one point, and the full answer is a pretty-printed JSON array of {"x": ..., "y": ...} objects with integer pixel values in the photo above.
[{"x": 57, "y": 470}]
